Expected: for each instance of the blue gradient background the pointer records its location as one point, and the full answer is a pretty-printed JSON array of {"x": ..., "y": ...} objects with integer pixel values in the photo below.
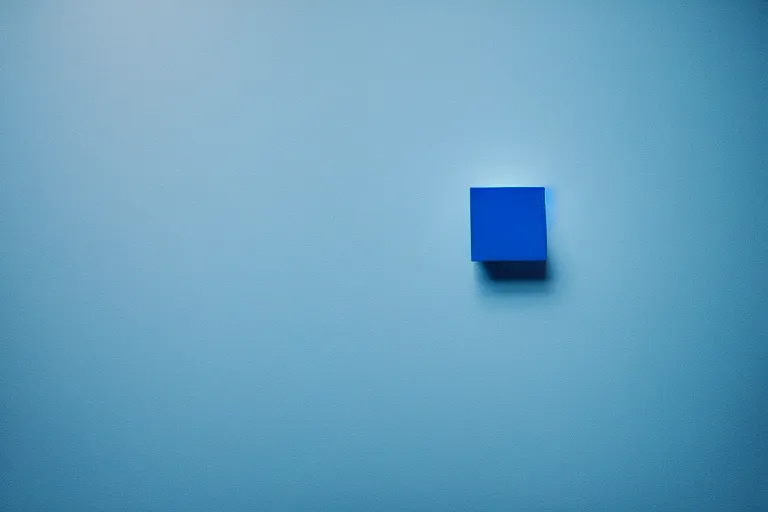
[{"x": 234, "y": 256}]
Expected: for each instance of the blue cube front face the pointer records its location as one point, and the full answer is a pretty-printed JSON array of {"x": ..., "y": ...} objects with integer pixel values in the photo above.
[{"x": 508, "y": 223}]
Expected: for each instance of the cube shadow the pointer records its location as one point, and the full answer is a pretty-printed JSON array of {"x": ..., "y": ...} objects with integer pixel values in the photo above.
[{"x": 508, "y": 271}]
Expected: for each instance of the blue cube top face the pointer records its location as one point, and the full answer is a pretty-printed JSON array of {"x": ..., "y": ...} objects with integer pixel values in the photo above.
[{"x": 508, "y": 223}]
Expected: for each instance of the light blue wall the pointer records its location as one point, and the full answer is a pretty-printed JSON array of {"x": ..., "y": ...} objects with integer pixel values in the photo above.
[{"x": 234, "y": 256}]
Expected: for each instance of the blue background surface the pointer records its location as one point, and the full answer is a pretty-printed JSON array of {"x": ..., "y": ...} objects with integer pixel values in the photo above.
[
  {"x": 233, "y": 256},
  {"x": 508, "y": 224}
]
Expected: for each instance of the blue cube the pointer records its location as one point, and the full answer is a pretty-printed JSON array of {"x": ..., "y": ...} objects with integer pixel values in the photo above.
[{"x": 508, "y": 223}]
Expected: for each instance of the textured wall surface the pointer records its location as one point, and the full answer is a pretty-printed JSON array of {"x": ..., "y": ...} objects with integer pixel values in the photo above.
[{"x": 234, "y": 256}]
